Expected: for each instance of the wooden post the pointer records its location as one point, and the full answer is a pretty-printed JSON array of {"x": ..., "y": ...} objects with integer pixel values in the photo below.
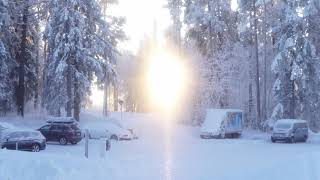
[{"x": 87, "y": 143}]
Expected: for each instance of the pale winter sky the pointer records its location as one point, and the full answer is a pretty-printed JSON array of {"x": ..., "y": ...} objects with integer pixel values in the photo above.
[{"x": 141, "y": 15}]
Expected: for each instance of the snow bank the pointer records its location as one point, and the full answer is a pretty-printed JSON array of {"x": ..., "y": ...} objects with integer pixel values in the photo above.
[{"x": 17, "y": 165}]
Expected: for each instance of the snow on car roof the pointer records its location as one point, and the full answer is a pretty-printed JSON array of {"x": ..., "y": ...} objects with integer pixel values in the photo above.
[
  {"x": 20, "y": 130},
  {"x": 214, "y": 117},
  {"x": 291, "y": 121},
  {"x": 4, "y": 125},
  {"x": 24, "y": 134},
  {"x": 61, "y": 120}
]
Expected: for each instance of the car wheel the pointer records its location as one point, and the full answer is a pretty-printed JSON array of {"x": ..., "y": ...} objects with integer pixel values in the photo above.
[
  {"x": 63, "y": 141},
  {"x": 35, "y": 148},
  {"x": 305, "y": 138},
  {"x": 273, "y": 140},
  {"x": 114, "y": 137},
  {"x": 222, "y": 135}
]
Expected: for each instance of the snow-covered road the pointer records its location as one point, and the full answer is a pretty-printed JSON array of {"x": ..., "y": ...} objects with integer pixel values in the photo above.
[{"x": 166, "y": 152}]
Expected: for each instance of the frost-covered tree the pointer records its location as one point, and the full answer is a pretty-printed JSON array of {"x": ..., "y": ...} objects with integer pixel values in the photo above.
[
  {"x": 175, "y": 8},
  {"x": 6, "y": 61},
  {"x": 28, "y": 51},
  {"x": 212, "y": 27},
  {"x": 18, "y": 37},
  {"x": 296, "y": 67},
  {"x": 80, "y": 46}
]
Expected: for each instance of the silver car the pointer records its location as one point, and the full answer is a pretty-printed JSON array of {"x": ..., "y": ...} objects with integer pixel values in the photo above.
[{"x": 290, "y": 130}]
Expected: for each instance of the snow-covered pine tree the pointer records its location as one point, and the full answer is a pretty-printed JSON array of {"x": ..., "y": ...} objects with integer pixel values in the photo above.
[
  {"x": 6, "y": 61},
  {"x": 296, "y": 67},
  {"x": 81, "y": 46},
  {"x": 212, "y": 26},
  {"x": 175, "y": 8},
  {"x": 25, "y": 17}
]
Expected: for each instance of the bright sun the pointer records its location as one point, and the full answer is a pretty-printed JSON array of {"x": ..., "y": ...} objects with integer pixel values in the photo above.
[{"x": 166, "y": 78}]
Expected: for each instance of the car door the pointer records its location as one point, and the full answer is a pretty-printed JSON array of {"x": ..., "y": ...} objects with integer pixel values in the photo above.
[
  {"x": 55, "y": 132},
  {"x": 23, "y": 140},
  {"x": 11, "y": 140},
  {"x": 299, "y": 132},
  {"x": 45, "y": 131}
]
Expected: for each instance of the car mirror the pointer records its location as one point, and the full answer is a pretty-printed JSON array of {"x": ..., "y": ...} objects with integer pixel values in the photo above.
[{"x": 7, "y": 139}]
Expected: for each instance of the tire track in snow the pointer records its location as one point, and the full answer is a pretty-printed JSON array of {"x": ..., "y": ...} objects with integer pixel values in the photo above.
[{"x": 310, "y": 167}]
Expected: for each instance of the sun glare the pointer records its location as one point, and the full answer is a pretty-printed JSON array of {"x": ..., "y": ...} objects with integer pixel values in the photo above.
[
  {"x": 234, "y": 5},
  {"x": 165, "y": 80}
]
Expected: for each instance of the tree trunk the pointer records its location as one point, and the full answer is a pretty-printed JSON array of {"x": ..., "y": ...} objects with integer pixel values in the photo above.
[
  {"x": 77, "y": 101},
  {"x": 115, "y": 97},
  {"x": 36, "y": 95},
  {"x": 265, "y": 63},
  {"x": 44, "y": 71},
  {"x": 69, "y": 78},
  {"x": 257, "y": 77},
  {"x": 292, "y": 102},
  {"x": 69, "y": 89},
  {"x": 105, "y": 99},
  {"x": 22, "y": 60}
]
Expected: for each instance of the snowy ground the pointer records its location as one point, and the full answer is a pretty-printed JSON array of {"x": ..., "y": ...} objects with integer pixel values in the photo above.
[{"x": 165, "y": 152}]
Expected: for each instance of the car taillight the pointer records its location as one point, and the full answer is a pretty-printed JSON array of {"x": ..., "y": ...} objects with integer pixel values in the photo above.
[{"x": 71, "y": 132}]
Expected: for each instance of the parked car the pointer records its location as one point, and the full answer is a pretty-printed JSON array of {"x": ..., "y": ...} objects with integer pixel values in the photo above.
[
  {"x": 62, "y": 132},
  {"x": 110, "y": 129},
  {"x": 26, "y": 140},
  {"x": 221, "y": 123},
  {"x": 290, "y": 130}
]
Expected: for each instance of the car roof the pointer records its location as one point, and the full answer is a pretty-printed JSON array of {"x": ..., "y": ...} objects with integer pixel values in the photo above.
[
  {"x": 291, "y": 121},
  {"x": 65, "y": 120},
  {"x": 10, "y": 131}
]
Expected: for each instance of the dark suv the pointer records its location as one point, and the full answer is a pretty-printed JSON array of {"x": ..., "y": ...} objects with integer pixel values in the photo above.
[
  {"x": 61, "y": 132},
  {"x": 25, "y": 140}
]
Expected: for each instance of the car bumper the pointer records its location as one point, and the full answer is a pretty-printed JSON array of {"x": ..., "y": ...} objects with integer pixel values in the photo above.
[
  {"x": 282, "y": 138},
  {"x": 125, "y": 138},
  {"x": 206, "y": 136},
  {"x": 43, "y": 146},
  {"x": 75, "y": 139}
]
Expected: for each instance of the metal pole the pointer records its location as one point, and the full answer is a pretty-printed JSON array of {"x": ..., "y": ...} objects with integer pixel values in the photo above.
[
  {"x": 0, "y": 137},
  {"x": 121, "y": 111},
  {"x": 86, "y": 143}
]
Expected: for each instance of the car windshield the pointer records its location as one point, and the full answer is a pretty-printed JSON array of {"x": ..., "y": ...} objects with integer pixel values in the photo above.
[{"x": 283, "y": 126}]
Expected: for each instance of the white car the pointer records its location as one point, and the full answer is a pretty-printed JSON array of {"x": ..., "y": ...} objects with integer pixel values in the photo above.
[{"x": 109, "y": 129}]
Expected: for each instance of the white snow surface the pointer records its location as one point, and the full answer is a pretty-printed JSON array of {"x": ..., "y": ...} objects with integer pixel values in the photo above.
[{"x": 165, "y": 152}]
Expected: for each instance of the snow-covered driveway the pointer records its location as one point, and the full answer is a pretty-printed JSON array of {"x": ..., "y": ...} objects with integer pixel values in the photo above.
[{"x": 167, "y": 153}]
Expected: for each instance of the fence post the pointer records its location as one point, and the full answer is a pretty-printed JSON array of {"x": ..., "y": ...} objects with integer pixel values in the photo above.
[
  {"x": 1, "y": 138},
  {"x": 86, "y": 143}
]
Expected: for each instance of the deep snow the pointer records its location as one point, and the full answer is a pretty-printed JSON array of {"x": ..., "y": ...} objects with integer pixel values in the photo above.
[{"x": 165, "y": 152}]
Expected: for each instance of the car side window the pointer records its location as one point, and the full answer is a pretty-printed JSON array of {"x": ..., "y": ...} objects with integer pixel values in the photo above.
[
  {"x": 55, "y": 128},
  {"x": 304, "y": 125},
  {"x": 65, "y": 128},
  {"x": 46, "y": 127},
  {"x": 295, "y": 127},
  {"x": 14, "y": 136}
]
